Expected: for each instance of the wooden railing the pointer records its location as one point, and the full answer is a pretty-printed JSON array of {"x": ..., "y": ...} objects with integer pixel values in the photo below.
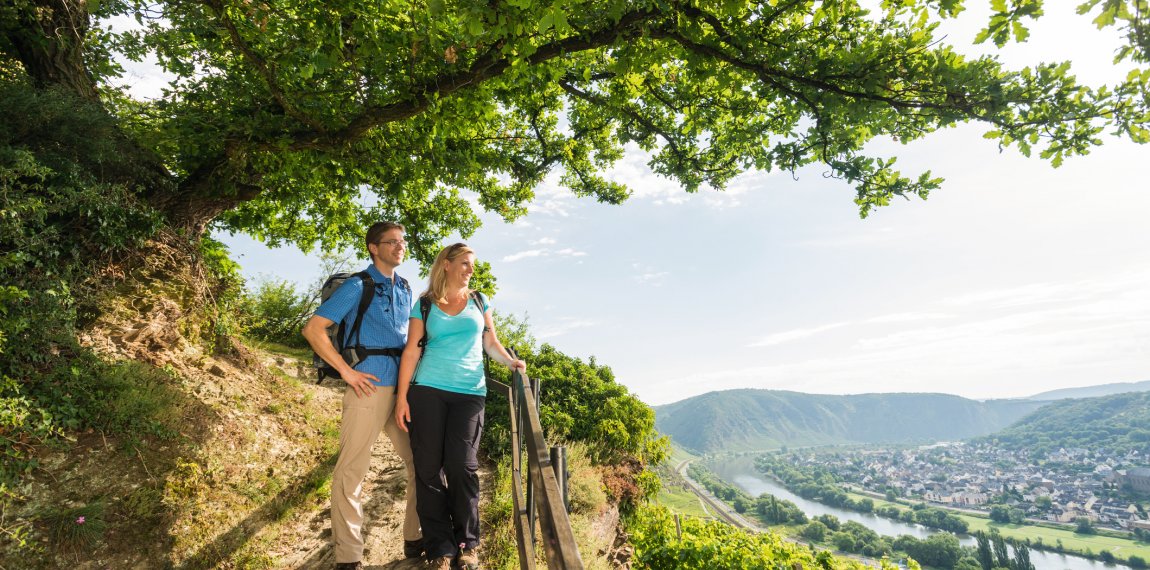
[{"x": 543, "y": 493}]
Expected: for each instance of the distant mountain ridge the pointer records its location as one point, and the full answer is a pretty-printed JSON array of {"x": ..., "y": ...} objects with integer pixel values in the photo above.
[
  {"x": 1093, "y": 391},
  {"x": 1116, "y": 423},
  {"x": 749, "y": 419}
]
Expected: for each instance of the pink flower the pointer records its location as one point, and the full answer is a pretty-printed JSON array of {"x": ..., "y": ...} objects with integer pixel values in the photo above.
[{"x": 80, "y": 520}]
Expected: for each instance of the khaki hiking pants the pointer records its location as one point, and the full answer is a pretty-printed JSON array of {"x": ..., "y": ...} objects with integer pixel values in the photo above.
[{"x": 363, "y": 419}]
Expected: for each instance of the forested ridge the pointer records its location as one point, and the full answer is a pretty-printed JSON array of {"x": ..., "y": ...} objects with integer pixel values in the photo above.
[
  {"x": 301, "y": 122},
  {"x": 1117, "y": 424},
  {"x": 769, "y": 419}
]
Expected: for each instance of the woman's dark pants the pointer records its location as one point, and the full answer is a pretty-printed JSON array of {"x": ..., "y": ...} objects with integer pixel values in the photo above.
[{"x": 445, "y": 430}]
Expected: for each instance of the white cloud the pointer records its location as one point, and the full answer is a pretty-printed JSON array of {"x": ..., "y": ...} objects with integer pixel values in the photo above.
[
  {"x": 563, "y": 326},
  {"x": 543, "y": 252},
  {"x": 524, "y": 255},
  {"x": 908, "y": 317},
  {"x": 552, "y": 200},
  {"x": 649, "y": 276},
  {"x": 855, "y": 238},
  {"x": 1006, "y": 342},
  {"x": 544, "y": 241},
  {"x": 796, "y": 334},
  {"x": 808, "y": 332}
]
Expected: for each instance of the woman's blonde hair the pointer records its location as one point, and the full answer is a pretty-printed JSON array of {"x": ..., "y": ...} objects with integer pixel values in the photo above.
[{"x": 437, "y": 280}]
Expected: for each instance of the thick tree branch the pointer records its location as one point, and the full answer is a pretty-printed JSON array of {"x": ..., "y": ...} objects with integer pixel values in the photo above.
[
  {"x": 486, "y": 67},
  {"x": 262, "y": 67}
]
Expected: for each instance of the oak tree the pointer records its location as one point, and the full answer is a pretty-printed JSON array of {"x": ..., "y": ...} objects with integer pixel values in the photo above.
[{"x": 300, "y": 121}]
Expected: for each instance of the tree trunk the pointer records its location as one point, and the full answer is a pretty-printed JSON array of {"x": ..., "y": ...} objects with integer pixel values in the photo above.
[
  {"x": 49, "y": 41},
  {"x": 202, "y": 196}
]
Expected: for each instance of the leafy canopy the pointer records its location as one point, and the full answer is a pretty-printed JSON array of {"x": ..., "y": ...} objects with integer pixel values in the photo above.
[{"x": 311, "y": 119}]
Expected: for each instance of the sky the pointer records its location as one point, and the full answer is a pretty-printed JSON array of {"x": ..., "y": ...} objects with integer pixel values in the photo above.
[{"x": 1015, "y": 278}]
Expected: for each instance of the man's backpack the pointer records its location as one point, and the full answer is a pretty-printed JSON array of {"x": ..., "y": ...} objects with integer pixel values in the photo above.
[{"x": 353, "y": 351}]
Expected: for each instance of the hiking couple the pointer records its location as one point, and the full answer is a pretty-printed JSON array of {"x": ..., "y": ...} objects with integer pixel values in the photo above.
[{"x": 429, "y": 401}]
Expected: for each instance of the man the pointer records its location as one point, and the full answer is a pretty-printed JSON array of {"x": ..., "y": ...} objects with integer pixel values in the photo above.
[{"x": 369, "y": 403}]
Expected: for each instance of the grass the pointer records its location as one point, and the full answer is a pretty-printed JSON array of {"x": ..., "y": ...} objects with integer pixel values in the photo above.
[
  {"x": 682, "y": 501},
  {"x": 76, "y": 528},
  {"x": 589, "y": 504},
  {"x": 1072, "y": 542},
  {"x": 679, "y": 455},
  {"x": 304, "y": 354}
]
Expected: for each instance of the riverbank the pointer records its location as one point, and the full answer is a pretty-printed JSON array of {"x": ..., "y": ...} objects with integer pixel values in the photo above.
[
  {"x": 1040, "y": 536},
  {"x": 1077, "y": 551},
  {"x": 678, "y": 478}
]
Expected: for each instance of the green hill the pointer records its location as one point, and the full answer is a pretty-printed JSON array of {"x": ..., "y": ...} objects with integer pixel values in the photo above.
[
  {"x": 742, "y": 420},
  {"x": 1119, "y": 423}
]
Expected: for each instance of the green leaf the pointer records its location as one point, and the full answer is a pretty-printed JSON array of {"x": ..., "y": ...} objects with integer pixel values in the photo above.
[{"x": 547, "y": 21}]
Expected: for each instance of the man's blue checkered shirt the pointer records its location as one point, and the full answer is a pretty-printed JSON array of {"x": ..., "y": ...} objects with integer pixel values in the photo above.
[{"x": 384, "y": 323}]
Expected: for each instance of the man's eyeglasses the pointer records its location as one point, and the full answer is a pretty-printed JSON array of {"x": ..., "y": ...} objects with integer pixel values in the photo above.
[{"x": 393, "y": 243}]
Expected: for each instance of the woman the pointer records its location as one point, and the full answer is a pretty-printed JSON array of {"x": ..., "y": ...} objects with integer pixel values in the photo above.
[{"x": 440, "y": 401}]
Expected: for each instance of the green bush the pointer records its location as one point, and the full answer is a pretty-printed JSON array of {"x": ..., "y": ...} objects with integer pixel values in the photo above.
[
  {"x": 708, "y": 544},
  {"x": 276, "y": 311},
  {"x": 580, "y": 402},
  {"x": 64, "y": 218}
]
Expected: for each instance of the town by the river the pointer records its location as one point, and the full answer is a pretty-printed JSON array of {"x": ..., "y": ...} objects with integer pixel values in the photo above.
[{"x": 741, "y": 472}]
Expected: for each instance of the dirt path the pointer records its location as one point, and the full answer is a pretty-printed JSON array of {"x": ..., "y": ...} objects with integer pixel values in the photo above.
[
  {"x": 305, "y": 541},
  {"x": 383, "y": 492}
]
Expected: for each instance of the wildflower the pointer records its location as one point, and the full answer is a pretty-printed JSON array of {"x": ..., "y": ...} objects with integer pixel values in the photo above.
[{"x": 80, "y": 520}]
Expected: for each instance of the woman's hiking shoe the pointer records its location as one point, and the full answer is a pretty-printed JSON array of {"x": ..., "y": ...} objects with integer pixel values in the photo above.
[
  {"x": 468, "y": 559},
  {"x": 441, "y": 563},
  {"x": 412, "y": 548}
]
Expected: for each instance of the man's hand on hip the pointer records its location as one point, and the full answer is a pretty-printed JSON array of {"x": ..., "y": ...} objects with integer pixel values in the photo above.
[{"x": 360, "y": 382}]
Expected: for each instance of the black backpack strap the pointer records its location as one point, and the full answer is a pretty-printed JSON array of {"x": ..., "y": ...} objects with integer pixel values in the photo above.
[
  {"x": 480, "y": 302},
  {"x": 364, "y": 302},
  {"x": 424, "y": 311},
  {"x": 396, "y": 352}
]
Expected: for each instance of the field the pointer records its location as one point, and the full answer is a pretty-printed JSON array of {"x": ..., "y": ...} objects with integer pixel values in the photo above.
[{"x": 1071, "y": 541}]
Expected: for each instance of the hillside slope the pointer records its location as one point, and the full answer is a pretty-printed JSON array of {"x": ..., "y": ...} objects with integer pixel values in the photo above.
[
  {"x": 735, "y": 420},
  {"x": 243, "y": 484},
  {"x": 228, "y": 467}
]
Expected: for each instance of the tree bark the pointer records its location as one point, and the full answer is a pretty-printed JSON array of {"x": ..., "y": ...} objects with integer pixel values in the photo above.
[
  {"x": 49, "y": 40},
  {"x": 200, "y": 197}
]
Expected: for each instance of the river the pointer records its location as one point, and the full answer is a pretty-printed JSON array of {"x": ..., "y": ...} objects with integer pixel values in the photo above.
[{"x": 740, "y": 471}]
